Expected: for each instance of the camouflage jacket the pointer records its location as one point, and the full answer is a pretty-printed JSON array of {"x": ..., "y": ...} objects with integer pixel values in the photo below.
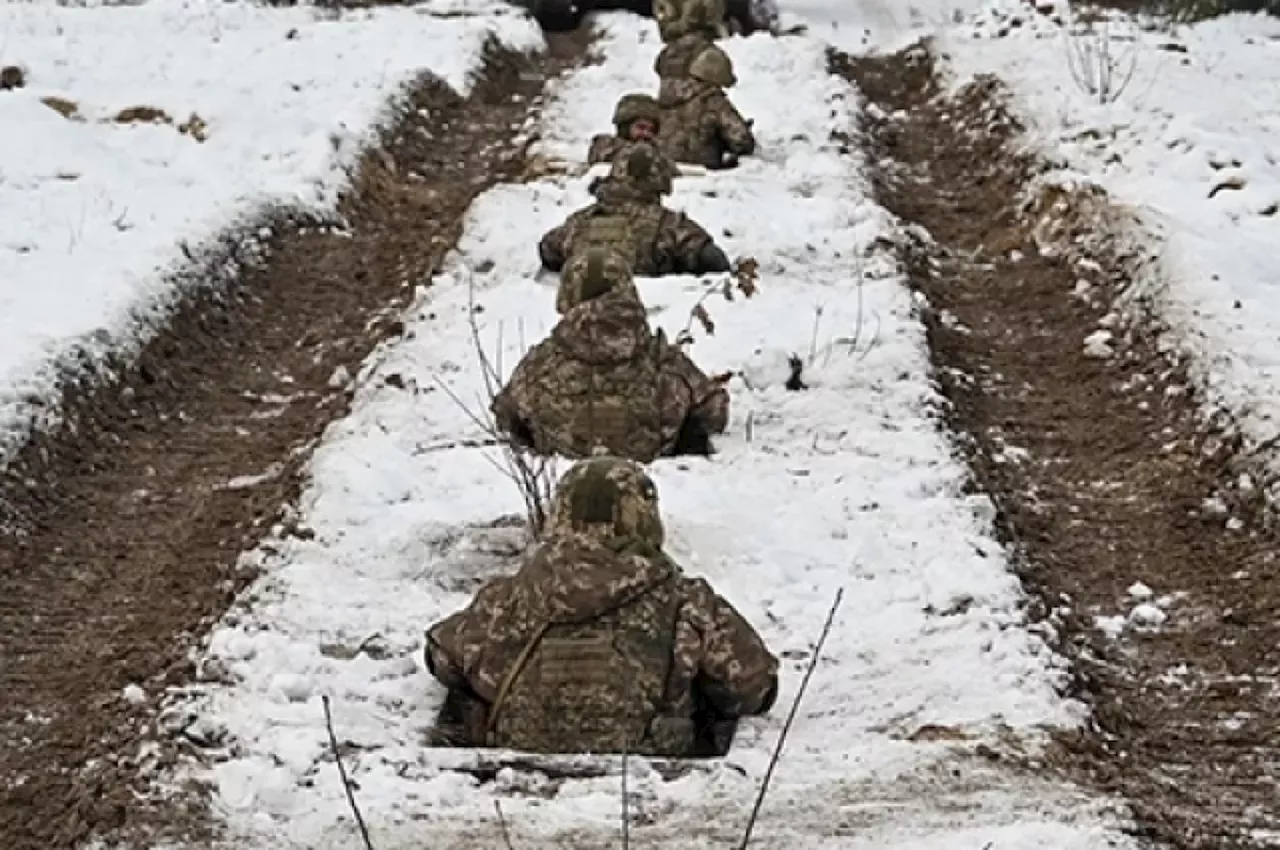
[
  {"x": 597, "y": 644},
  {"x": 607, "y": 147},
  {"x": 603, "y": 377},
  {"x": 690, "y": 394},
  {"x": 678, "y": 54},
  {"x": 700, "y": 125},
  {"x": 663, "y": 241}
]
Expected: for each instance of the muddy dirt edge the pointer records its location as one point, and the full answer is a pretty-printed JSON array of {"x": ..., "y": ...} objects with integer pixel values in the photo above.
[
  {"x": 208, "y": 273},
  {"x": 213, "y": 289},
  {"x": 1121, "y": 237}
]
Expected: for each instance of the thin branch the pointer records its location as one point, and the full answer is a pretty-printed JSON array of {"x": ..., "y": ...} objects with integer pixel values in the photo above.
[
  {"x": 786, "y": 727},
  {"x": 502, "y": 824},
  {"x": 342, "y": 771},
  {"x": 626, "y": 817}
]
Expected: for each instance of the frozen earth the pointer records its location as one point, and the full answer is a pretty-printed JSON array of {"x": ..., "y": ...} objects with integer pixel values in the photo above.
[
  {"x": 849, "y": 484},
  {"x": 1183, "y": 139}
]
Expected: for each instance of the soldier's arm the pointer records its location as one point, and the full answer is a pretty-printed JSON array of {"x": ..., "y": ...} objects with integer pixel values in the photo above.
[
  {"x": 603, "y": 148},
  {"x": 736, "y": 672},
  {"x": 709, "y": 400},
  {"x": 552, "y": 246},
  {"x": 454, "y": 644},
  {"x": 690, "y": 248},
  {"x": 734, "y": 131}
]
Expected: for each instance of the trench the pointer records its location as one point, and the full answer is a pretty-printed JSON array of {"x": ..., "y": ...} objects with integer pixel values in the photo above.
[
  {"x": 1103, "y": 468},
  {"x": 121, "y": 528}
]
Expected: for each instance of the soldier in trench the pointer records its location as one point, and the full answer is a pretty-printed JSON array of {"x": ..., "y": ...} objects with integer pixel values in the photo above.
[
  {"x": 599, "y": 643},
  {"x": 604, "y": 378},
  {"x": 656, "y": 240}
]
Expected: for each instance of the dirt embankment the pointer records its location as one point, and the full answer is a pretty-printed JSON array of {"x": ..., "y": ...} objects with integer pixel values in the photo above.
[
  {"x": 122, "y": 528},
  {"x": 1098, "y": 458}
]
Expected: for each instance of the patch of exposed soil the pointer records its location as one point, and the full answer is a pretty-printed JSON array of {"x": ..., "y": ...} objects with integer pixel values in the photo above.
[
  {"x": 122, "y": 528},
  {"x": 1100, "y": 465}
]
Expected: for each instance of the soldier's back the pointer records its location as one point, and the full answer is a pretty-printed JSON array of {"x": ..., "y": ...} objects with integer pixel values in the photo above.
[{"x": 593, "y": 686}]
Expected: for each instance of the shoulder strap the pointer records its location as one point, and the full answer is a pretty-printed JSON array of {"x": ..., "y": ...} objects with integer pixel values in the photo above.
[{"x": 501, "y": 696}]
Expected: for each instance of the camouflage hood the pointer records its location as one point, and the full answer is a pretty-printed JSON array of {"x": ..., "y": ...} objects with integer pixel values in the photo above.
[
  {"x": 573, "y": 577},
  {"x": 676, "y": 93},
  {"x": 604, "y": 331}
]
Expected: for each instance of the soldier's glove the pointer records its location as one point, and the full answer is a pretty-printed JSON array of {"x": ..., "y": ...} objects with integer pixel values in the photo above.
[
  {"x": 729, "y": 160},
  {"x": 712, "y": 259}
]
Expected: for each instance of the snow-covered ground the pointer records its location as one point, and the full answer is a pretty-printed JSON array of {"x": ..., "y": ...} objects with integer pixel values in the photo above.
[
  {"x": 849, "y": 484},
  {"x": 874, "y": 24},
  {"x": 92, "y": 212},
  {"x": 1189, "y": 145}
]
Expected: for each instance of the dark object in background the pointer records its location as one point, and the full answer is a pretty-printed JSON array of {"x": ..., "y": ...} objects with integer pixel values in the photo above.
[
  {"x": 565, "y": 15},
  {"x": 12, "y": 77}
]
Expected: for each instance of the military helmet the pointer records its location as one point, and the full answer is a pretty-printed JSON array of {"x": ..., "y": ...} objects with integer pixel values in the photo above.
[
  {"x": 592, "y": 272},
  {"x": 713, "y": 66},
  {"x": 641, "y": 167},
  {"x": 636, "y": 107},
  {"x": 609, "y": 495}
]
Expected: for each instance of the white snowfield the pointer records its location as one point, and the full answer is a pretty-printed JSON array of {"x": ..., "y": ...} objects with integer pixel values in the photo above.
[
  {"x": 848, "y": 484},
  {"x": 1189, "y": 145},
  {"x": 93, "y": 212}
]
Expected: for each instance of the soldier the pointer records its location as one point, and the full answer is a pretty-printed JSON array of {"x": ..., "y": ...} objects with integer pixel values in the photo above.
[
  {"x": 658, "y": 241},
  {"x": 699, "y": 124},
  {"x": 599, "y": 643},
  {"x": 636, "y": 118},
  {"x": 687, "y": 28},
  {"x": 604, "y": 378}
]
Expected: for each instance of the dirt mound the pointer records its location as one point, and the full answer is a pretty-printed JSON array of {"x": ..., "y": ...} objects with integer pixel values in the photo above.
[
  {"x": 1091, "y": 441},
  {"x": 122, "y": 528}
]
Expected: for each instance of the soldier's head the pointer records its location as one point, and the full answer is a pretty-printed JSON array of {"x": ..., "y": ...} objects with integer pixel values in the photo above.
[
  {"x": 713, "y": 66},
  {"x": 607, "y": 497},
  {"x": 637, "y": 117},
  {"x": 590, "y": 273},
  {"x": 641, "y": 169}
]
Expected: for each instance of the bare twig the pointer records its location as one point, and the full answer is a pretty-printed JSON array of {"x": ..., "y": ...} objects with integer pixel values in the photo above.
[
  {"x": 791, "y": 716},
  {"x": 342, "y": 771},
  {"x": 1096, "y": 67},
  {"x": 626, "y": 817},
  {"x": 502, "y": 824},
  {"x": 813, "y": 337}
]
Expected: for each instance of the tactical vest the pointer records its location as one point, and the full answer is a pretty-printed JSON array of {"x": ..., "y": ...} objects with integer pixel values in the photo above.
[
  {"x": 615, "y": 405},
  {"x": 609, "y": 229},
  {"x": 596, "y": 687}
]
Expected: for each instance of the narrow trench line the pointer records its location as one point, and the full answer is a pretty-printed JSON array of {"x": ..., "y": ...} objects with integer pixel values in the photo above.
[
  {"x": 121, "y": 529},
  {"x": 1099, "y": 459}
]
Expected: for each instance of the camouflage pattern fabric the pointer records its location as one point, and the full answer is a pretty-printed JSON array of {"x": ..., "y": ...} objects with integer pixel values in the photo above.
[
  {"x": 603, "y": 378},
  {"x": 599, "y": 265},
  {"x": 687, "y": 392},
  {"x": 681, "y": 17},
  {"x": 662, "y": 241},
  {"x": 604, "y": 148},
  {"x": 611, "y": 149},
  {"x": 598, "y": 642},
  {"x": 701, "y": 126},
  {"x": 677, "y": 55},
  {"x": 594, "y": 382}
]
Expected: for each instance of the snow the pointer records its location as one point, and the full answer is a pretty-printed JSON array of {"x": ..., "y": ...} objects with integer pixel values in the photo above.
[
  {"x": 849, "y": 484},
  {"x": 1187, "y": 149},
  {"x": 874, "y": 25},
  {"x": 93, "y": 213}
]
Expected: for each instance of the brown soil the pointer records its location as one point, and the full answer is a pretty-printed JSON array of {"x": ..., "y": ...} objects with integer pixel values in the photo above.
[
  {"x": 1119, "y": 463},
  {"x": 120, "y": 532}
]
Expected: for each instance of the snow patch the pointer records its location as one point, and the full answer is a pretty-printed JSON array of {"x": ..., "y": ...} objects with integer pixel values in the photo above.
[{"x": 95, "y": 214}]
